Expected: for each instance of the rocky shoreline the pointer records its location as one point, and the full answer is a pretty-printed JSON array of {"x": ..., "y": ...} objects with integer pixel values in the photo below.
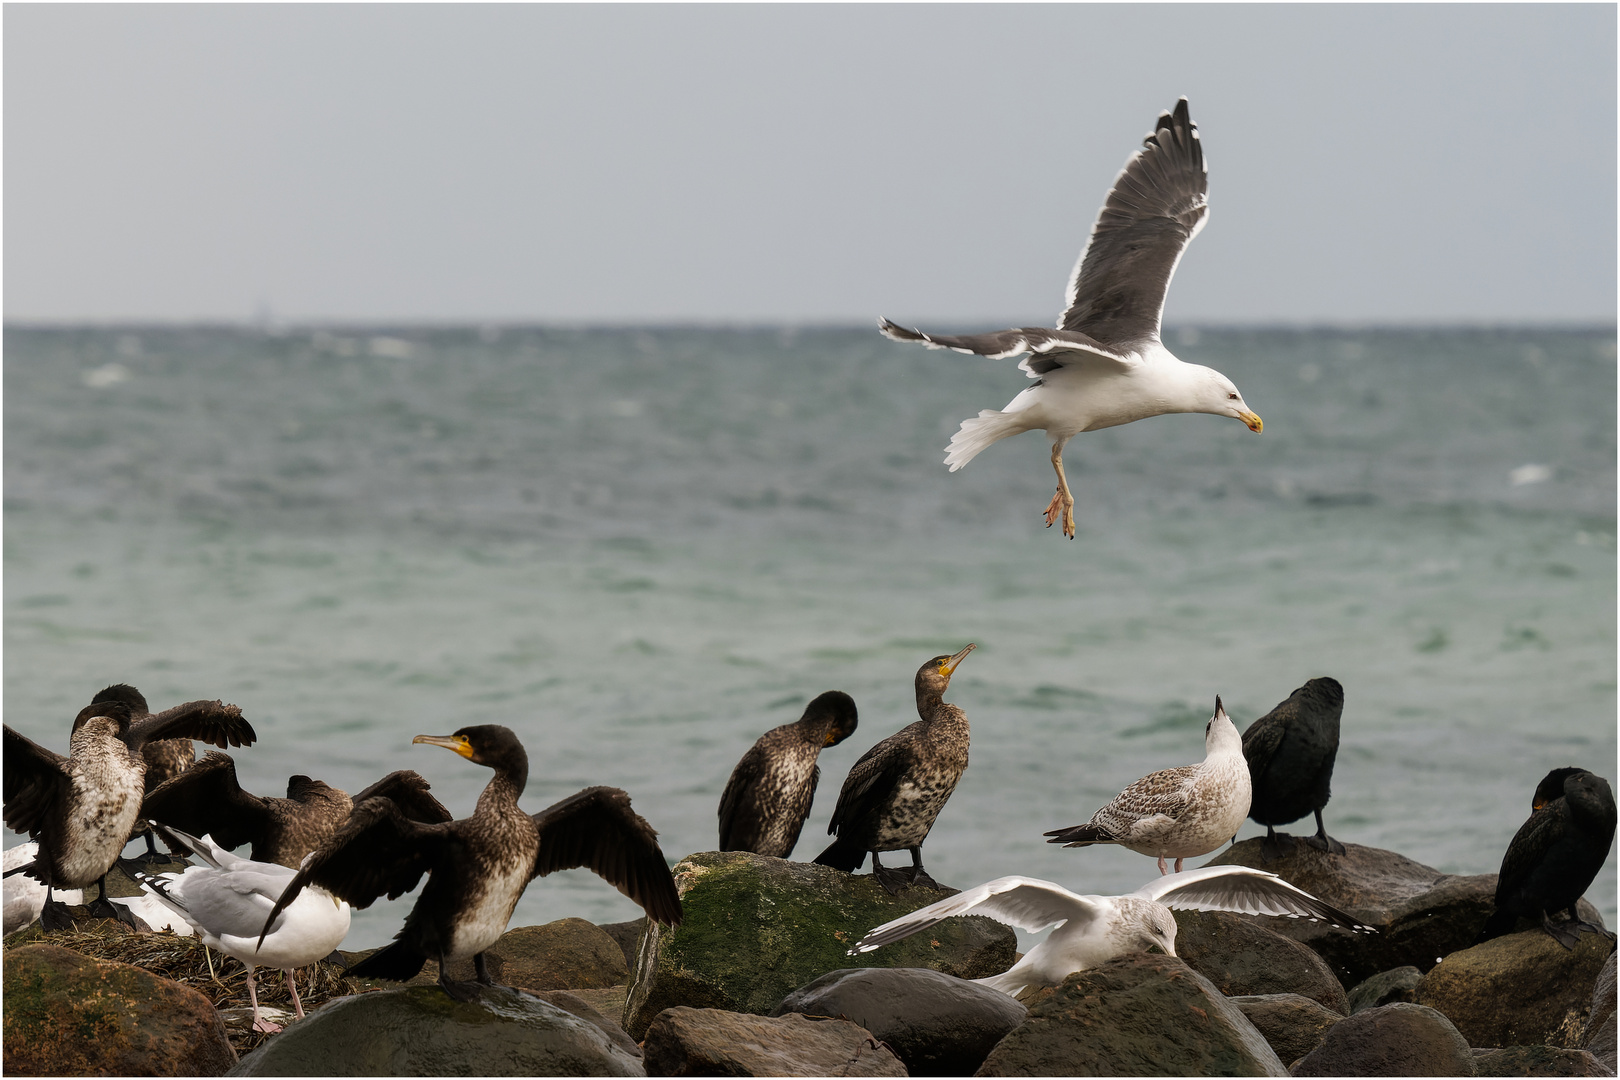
[{"x": 756, "y": 981}]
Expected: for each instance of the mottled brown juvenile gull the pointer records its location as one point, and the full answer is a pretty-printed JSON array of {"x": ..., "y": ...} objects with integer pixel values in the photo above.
[
  {"x": 1092, "y": 930},
  {"x": 1176, "y": 813},
  {"x": 1104, "y": 365}
]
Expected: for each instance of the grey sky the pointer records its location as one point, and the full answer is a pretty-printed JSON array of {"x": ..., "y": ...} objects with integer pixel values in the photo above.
[{"x": 800, "y": 163}]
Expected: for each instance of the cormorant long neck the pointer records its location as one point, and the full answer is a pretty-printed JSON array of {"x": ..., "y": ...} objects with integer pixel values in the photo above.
[{"x": 511, "y": 777}]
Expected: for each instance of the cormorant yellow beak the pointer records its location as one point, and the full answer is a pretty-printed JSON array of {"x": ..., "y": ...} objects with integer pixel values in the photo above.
[
  {"x": 1255, "y": 423},
  {"x": 948, "y": 667},
  {"x": 458, "y": 743}
]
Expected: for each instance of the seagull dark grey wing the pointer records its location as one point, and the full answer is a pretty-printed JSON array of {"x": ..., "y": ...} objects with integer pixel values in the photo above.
[{"x": 1158, "y": 203}]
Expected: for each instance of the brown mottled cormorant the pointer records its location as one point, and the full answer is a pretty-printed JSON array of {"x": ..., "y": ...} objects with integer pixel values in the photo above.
[
  {"x": 895, "y": 791},
  {"x": 1290, "y": 752},
  {"x": 1555, "y": 855},
  {"x": 478, "y": 866},
  {"x": 206, "y": 799},
  {"x": 769, "y": 793},
  {"x": 81, "y": 807},
  {"x": 165, "y": 758},
  {"x": 1176, "y": 813}
]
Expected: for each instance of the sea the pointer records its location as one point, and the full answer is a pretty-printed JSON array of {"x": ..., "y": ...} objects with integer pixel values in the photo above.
[{"x": 642, "y": 547}]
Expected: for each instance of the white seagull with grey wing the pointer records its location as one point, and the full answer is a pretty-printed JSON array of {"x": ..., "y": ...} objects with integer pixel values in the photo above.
[
  {"x": 1104, "y": 365},
  {"x": 1092, "y": 930}
]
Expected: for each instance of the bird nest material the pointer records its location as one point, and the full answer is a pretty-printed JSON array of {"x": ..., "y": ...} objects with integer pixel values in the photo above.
[{"x": 182, "y": 959}]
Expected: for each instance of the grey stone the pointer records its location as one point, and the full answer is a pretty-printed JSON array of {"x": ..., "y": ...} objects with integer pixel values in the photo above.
[
  {"x": 1518, "y": 990},
  {"x": 1137, "y": 1015},
  {"x": 628, "y": 935},
  {"x": 939, "y": 1025},
  {"x": 1396, "y": 984},
  {"x": 1292, "y": 1024},
  {"x": 755, "y": 928},
  {"x": 1599, "y": 1037},
  {"x": 713, "y": 1042},
  {"x": 1244, "y": 954},
  {"x": 421, "y": 1031},
  {"x": 1538, "y": 1061},
  {"x": 1401, "y": 1039}
]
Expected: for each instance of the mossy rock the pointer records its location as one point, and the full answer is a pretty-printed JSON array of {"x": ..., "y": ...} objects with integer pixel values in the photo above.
[{"x": 755, "y": 928}]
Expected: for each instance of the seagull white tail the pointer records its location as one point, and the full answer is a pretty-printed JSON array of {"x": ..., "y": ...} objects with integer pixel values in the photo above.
[{"x": 978, "y": 432}]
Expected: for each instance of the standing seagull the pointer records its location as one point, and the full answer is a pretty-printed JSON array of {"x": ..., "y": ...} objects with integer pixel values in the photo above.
[
  {"x": 1555, "y": 855},
  {"x": 1092, "y": 930},
  {"x": 1290, "y": 751},
  {"x": 895, "y": 791},
  {"x": 81, "y": 808},
  {"x": 1104, "y": 365},
  {"x": 770, "y": 791},
  {"x": 478, "y": 866},
  {"x": 1176, "y": 813}
]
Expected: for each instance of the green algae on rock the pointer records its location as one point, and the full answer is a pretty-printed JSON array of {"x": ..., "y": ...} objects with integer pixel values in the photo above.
[{"x": 756, "y": 928}]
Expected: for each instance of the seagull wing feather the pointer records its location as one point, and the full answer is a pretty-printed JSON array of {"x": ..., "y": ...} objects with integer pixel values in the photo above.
[
  {"x": 1243, "y": 889},
  {"x": 1027, "y": 903}
]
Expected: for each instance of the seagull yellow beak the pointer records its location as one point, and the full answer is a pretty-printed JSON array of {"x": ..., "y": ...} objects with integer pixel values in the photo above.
[
  {"x": 1255, "y": 423},
  {"x": 949, "y": 666},
  {"x": 458, "y": 743}
]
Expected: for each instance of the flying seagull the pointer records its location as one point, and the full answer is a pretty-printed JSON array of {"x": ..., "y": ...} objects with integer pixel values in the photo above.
[
  {"x": 1092, "y": 930},
  {"x": 1104, "y": 365}
]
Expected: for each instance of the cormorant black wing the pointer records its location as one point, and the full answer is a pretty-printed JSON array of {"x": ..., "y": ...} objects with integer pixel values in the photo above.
[
  {"x": 739, "y": 832},
  {"x": 1529, "y": 847},
  {"x": 872, "y": 778},
  {"x": 596, "y": 828},
  {"x": 36, "y": 781},
  {"x": 408, "y": 790},
  {"x": 212, "y": 722},
  {"x": 1260, "y": 743},
  {"x": 207, "y": 798}
]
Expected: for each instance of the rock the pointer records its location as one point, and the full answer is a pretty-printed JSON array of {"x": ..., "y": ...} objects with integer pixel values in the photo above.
[
  {"x": 756, "y": 928},
  {"x": 1420, "y": 913},
  {"x": 67, "y": 1014},
  {"x": 1401, "y": 1039},
  {"x": 1599, "y": 1037},
  {"x": 1243, "y": 954},
  {"x": 937, "y": 1024},
  {"x": 569, "y": 954},
  {"x": 1538, "y": 1061},
  {"x": 608, "y": 1001},
  {"x": 1520, "y": 989},
  {"x": 585, "y": 1009},
  {"x": 421, "y": 1031},
  {"x": 1137, "y": 1015},
  {"x": 628, "y": 935},
  {"x": 1293, "y": 1025},
  {"x": 713, "y": 1042},
  {"x": 1396, "y": 984}
]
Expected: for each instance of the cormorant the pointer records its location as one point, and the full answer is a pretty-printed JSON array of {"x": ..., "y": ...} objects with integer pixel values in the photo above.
[
  {"x": 1290, "y": 752},
  {"x": 165, "y": 758},
  {"x": 1555, "y": 855},
  {"x": 81, "y": 807},
  {"x": 769, "y": 793},
  {"x": 1092, "y": 930},
  {"x": 895, "y": 791},
  {"x": 1176, "y": 813},
  {"x": 478, "y": 866},
  {"x": 206, "y": 798},
  {"x": 228, "y": 899}
]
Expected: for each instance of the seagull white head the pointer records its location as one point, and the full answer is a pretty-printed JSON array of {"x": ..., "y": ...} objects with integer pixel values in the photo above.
[
  {"x": 1220, "y": 733},
  {"x": 1215, "y": 393}
]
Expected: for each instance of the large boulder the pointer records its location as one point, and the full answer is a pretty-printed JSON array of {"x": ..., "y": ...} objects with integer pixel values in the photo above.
[
  {"x": 1137, "y": 1015},
  {"x": 628, "y": 935},
  {"x": 1538, "y": 1061},
  {"x": 1244, "y": 954},
  {"x": 1599, "y": 1037},
  {"x": 1396, "y": 984},
  {"x": 569, "y": 954},
  {"x": 713, "y": 1042},
  {"x": 422, "y": 1031},
  {"x": 1293, "y": 1025},
  {"x": 1421, "y": 914},
  {"x": 1519, "y": 989},
  {"x": 67, "y": 1014},
  {"x": 755, "y": 928},
  {"x": 1401, "y": 1039},
  {"x": 939, "y": 1025}
]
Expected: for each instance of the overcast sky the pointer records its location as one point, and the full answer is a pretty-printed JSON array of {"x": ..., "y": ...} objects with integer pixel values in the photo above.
[{"x": 799, "y": 163}]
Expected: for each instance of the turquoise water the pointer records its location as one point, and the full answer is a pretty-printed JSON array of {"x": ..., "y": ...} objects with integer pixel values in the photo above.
[{"x": 640, "y": 548}]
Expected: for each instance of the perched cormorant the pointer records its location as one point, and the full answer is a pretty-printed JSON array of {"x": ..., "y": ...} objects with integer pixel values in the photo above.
[
  {"x": 1176, "y": 813},
  {"x": 478, "y": 866},
  {"x": 1290, "y": 751},
  {"x": 1092, "y": 930},
  {"x": 895, "y": 791},
  {"x": 769, "y": 793},
  {"x": 1555, "y": 855},
  {"x": 206, "y": 798},
  {"x": 228, "y": 900},
  {"x": 81, "y": 807},
  {"x": 1105, "y": 364},
  {"x": 165, "y": 758}
]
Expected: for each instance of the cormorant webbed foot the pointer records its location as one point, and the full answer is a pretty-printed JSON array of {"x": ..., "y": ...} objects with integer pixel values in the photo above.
[
  {"x": 54, "y": 916},
  {"x": 892, "y": 880},
  {"x": 1322, "y": 841},
  {"x": 1276, "y": 846}
]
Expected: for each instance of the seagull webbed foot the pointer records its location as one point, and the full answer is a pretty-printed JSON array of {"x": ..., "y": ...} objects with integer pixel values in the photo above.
[{"x": 1062, "y": 503}]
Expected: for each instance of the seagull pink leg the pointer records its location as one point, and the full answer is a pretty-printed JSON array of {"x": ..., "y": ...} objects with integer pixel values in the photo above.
[
  {"x": 292, "y": 987},
  {"x": 1178, "y": 866},
  {"x": 1063, "y": 501},
  {"x": 253, "y": 996},
  {"x": 1163, "y": 869}
]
